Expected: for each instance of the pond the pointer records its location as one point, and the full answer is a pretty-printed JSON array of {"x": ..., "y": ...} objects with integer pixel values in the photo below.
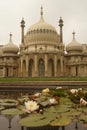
[
  {"x": 58, "y": 108},
  {"x": 4, "y": 125}
]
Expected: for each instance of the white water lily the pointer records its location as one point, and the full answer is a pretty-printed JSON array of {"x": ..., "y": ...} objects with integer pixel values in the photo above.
[
  {"x": 74, "y": 91},
  {"x": 53, "y": 101},
  {"x": 59, "y": 88},
  {"x": 31, "y": 105},
  {"x": 83, "y": 102}
]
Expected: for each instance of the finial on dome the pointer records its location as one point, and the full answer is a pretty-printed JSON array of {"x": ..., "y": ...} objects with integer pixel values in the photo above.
[
  {"x": 22, "y": 23},
  {"x": 60, "y": 22},
  {"x": 73, "y": 35},
  {"x": 41, "y": 12},
  {"x": 10, "y": 37}
]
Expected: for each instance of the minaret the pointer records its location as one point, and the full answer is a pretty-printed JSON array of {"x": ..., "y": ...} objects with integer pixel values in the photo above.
[
  {"x": 61, "y": 32},
  {"x": 73, "y": 35},
  {"x": 10, "y": 38},
  {"x": 22, "y": 30},
  {"x": 41, "y": 13}
]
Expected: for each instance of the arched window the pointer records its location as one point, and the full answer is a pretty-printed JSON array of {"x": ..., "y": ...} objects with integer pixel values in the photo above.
[
  {"x": 24, "y": 68},
  {"x": 51, "y": 68},
  {"x": 41, "y": 68},
  {"x": 76, "y": 71},
  {"x": 31, "y": 64}
]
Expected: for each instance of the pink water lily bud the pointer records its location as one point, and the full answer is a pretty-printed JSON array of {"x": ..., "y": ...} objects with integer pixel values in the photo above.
[
  {"x": 83, "y": 102},
  {"x": 37, "y": 94}
]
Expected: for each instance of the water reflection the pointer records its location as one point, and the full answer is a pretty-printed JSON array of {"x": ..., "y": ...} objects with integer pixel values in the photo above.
[
  {"x": 14, "y": 125},
  {"x": 11, "y": 123}
]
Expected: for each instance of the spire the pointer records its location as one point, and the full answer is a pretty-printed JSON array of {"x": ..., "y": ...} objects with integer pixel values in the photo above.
[
  {"x": 10, "y": 41},
  {"x": 73, "y": 35},
  {"x": 41, "y": 13},
  {"x": 22, "y": 23},
  {"x": 61, "y": 31},
  {"x": 22, "y": 30},
  {"x": 60, "y": 22}
]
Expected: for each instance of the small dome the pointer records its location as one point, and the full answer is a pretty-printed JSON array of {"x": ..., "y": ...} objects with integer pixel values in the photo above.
[
  {"x": 74, "y": 46},
  {"x": 41, "y": 31},
  {"x": 10, "y": 47}
]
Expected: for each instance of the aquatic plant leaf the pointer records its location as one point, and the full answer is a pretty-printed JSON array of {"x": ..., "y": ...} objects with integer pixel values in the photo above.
[
  {"x": 10, "y": 101},
  {"x": 61, "y": 108},
  {"x": 62, "y": 121},
  {"x": 13, "y": 111},
  {"x": 35, "y": 120},
  {"x": 45, "y": 103},
  {"x": 83, "y": 109},
  {"x": 59, "y": 92},
  {"x": 51, "y": 115},
  {"x": 83, "y": 118},
  {"x": 74, "y": 112},
  {"x": 1, "y": 108},
  {"x": 51, "y": 109},
  {"x": 8, "y": 104},
  {"x": 66, "y": 101}
]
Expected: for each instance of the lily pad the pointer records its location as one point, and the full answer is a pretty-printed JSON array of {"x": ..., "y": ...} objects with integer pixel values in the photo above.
[
  {"x": 1, "y": 108},
  {"x": 13, "y": 111},
  {"x": 83, "y": 118},
  {"x": 45, "y": 103},
  {"x": 35, "y": 120},
  {"x": 74, "y": 112},
  {"x": 83, "y": 110},
  {"x": 66, "y": 101},
  {"x": 62, "y": 121},
  {"x": 61, "y": 108},
  {"x": 10, "y": 101},
  {"x": 7, "y": 105}
]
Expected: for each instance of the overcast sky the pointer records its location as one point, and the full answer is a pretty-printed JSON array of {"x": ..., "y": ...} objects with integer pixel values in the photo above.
[{"x": 73, "y": 12}]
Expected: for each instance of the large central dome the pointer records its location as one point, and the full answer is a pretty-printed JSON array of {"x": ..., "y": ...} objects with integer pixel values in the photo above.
[{"x": 41, "y": 32}]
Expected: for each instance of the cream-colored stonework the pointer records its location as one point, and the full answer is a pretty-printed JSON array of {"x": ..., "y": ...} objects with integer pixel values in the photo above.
[{"x": 42, "y": 53}]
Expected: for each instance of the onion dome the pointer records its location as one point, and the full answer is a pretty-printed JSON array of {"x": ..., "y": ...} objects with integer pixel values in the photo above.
[
  {"x": 74, "y": 46},
  {"x": 10, "y": 47},
  {"x": 41, "y": 32}
]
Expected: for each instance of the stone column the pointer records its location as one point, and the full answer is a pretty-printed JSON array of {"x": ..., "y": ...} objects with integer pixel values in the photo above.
[
  {"x": 55, "y": 65},
  {"x": 36, "y": 67},
  {"x": 61, "y": 62},
  {"x": 27, "y": 64},
  {"x": 4, "y": 72},
  {"x": 46, "y": 65},
  {"x": 21, "y": 69}
]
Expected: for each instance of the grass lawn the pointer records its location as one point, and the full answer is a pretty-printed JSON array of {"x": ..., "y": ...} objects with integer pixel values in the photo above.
[{"x": 43, "y": 79}]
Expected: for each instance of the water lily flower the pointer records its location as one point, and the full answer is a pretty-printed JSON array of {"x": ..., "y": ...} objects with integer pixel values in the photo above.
[
  {"x": 31, "y": 105},
  {"x": 74, "y": 91},
  {"x": 53, "y": 101},
  {"x": 59, "y": 88},
  {"x": 46, "y": 90},
  {"x": 83, "y": 102}
]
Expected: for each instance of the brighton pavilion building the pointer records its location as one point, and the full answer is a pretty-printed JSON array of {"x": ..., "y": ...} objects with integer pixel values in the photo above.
[{"x": 42, "y": 53}]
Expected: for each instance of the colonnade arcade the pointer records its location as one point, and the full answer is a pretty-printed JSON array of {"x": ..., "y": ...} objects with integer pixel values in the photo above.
[{"x": 44, "y": 65}]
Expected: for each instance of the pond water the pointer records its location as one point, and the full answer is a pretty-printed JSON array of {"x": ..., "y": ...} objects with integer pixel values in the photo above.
[{"x": 4, "y": 125}]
